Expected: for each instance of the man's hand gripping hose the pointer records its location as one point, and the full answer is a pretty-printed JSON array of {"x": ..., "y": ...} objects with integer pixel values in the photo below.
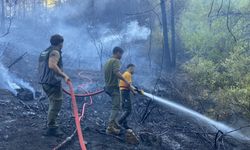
[{"x": 140, "y": 91}]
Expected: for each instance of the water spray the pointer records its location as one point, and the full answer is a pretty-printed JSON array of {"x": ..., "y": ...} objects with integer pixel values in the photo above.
[{"x": 218, "y": 125}]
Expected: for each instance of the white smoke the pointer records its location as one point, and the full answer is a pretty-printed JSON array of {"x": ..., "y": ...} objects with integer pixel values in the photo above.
[
  {"x": 84, "y": 42},
  {"x": 11, "y": 82},
  {"x": 82, "y": 46},
  {"x": 135, "y": 32},
  {"x": 132, "y": 32},
  {"x": 101, "y": 5}
]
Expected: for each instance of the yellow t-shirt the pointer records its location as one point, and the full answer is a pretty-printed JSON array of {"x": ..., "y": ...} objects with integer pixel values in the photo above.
[{"x": 128, "y": 76}]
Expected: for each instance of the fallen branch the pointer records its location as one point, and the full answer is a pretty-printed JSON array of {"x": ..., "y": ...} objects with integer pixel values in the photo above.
[
  {"x": 240, "y": 128},
  {"x": 145, "y": 112},
  {"x": 68, "y": 139},
  {"x": 17, "y": 60},
  {"x": 25, "y": 105},
  {"x": 218, "y": 136},
  {"x": 4, "y": 102}
]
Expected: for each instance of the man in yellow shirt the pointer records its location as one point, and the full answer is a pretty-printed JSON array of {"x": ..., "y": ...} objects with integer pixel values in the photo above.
[{"x": 125, "y": 95}]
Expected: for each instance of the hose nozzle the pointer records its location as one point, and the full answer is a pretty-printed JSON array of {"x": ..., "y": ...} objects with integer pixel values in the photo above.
[{"x": 140, "y": 91}]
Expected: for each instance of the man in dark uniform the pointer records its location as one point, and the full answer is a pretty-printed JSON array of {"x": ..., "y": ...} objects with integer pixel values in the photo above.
[{"x": 51, "y": 74}]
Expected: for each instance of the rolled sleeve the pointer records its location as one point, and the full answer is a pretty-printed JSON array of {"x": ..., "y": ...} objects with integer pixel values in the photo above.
[{"x": 116, "y": 66}]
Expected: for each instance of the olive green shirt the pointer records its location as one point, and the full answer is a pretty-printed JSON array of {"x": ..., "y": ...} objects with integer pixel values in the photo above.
[{"x": 111, "y": 67}]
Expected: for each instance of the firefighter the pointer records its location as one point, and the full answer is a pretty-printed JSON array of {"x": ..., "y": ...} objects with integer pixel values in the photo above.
[
  {"x": 51, "y": 73},
  {"x": 126, "y": 96},
  {"x": 112, "y": 76}
]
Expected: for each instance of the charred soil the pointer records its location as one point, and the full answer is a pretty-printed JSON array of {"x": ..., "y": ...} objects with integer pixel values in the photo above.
[{"x": 22, "y": 124}]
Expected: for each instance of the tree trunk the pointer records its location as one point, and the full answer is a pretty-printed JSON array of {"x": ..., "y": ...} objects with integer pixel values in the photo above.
[
  {"x": 24, "y": 8},
  {"x": 2, "y": 15},
  {"x": 173, "y": 49},
  {"x": 167, "y": 53},
  {"x": 46, "y": 4}
]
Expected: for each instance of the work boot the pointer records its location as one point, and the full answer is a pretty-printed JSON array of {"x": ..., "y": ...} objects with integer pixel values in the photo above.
[
  {"x": 113, "y": 128},
  {"x": 131, "y": 138},
  {"x": 54, "y": 132}
]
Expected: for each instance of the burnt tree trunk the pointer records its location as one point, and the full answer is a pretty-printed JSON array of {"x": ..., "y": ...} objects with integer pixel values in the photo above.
[
  {"x": 173, "y": 49},
  {"x": 167, "y": 53}
]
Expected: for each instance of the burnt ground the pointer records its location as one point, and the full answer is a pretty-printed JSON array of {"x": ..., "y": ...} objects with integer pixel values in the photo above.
[{"x": 22, "y": 124}]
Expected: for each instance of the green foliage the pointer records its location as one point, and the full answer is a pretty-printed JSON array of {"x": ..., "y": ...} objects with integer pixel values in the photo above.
[
  {"x": 203, "y": 68},
  {"x": 219, "y": 64}
]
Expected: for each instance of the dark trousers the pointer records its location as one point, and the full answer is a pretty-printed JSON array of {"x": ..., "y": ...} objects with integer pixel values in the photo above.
[
  {"x": 55, "y": 96},
  {"x": 126, "y": 106}
]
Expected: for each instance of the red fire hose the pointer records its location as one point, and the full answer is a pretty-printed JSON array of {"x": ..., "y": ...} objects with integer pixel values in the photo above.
[
  {"x": 77, "y": 120},
  {"x": 89, "y": 81},
  {"x": 84, "y": 95}
]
